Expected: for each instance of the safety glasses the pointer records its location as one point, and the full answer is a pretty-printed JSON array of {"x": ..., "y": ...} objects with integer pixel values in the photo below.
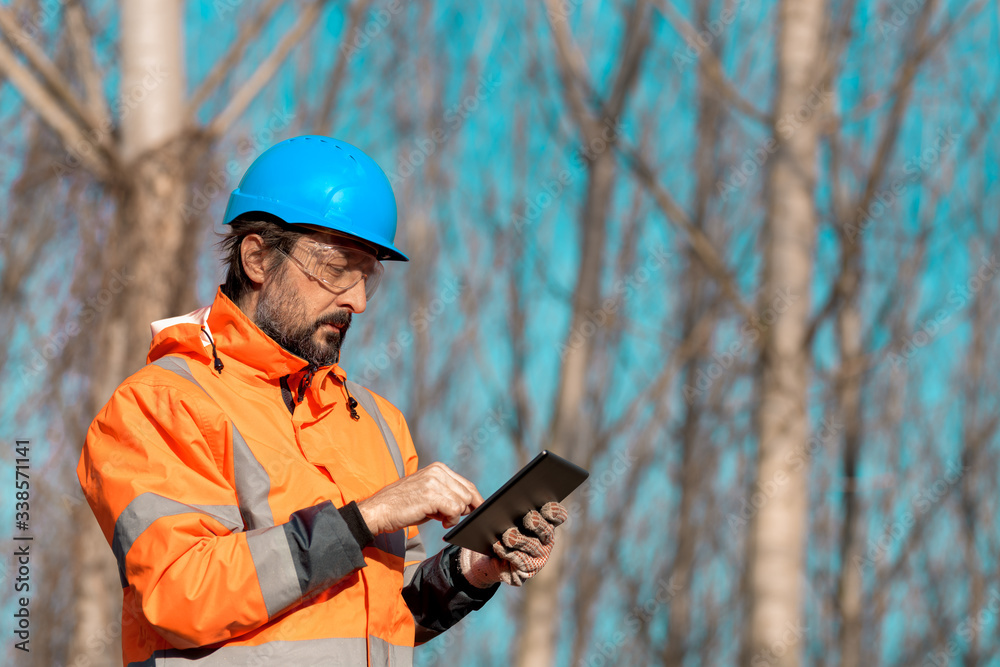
[{"x": 339, "y": 268}]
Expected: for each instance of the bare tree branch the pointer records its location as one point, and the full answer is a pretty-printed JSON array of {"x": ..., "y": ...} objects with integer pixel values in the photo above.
[
  {"x": 572, "y": 72},
  {"x": 700, "y": 243},
  {"x": 709, "y": 62},
  {"x": 248, "y": 32},
  {"x": 50, "y": 74},
  {"x": 49, "y": 109},
  {"x": 242, "y": 98},
  {"x": 82, "y": 41},
  {"x": 325, "y": 118}
]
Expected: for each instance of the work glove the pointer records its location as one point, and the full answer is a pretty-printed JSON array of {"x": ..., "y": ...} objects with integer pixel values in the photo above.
[{"x": 519, "y": 555}]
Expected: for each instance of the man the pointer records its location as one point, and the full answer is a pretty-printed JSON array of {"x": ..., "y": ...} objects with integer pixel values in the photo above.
[{"x": 263, "y": 508}]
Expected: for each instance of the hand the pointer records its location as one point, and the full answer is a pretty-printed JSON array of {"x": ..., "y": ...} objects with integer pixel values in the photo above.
[
  {"x": 435, "y": 492},
  {"x": 520, "y": 555}
]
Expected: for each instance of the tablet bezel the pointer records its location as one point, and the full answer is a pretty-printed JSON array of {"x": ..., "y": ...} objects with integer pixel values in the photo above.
[{"x": 547, "y": 477}]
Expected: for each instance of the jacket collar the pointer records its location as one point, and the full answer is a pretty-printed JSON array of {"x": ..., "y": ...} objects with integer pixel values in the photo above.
[{"x": 246, "y": 351}]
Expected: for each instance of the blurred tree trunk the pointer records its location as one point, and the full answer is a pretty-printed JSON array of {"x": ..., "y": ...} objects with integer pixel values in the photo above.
[
  {"x": 777, "y": 538},
  {"x": 143, "y": 248},
  {"x": 978, "y": 428},
  {"x": 847, "y": 291},
  {"x": 697, "y": 294},
  {"x": 138, "y": 264},
  {"x": 849, "y": 590},
  {"x": 541, "y": 607},
  {"x": 570, "y": 433}
]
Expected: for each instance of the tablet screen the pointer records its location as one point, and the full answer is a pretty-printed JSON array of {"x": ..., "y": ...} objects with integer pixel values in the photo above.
[{"x": 548, "y": 477}]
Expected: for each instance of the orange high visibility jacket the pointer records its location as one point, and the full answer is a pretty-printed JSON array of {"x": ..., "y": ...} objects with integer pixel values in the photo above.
[{"x": 226, "y": 492}]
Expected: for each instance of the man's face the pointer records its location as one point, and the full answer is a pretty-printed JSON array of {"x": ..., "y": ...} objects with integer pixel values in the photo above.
[{"x": 302, "y": 315}]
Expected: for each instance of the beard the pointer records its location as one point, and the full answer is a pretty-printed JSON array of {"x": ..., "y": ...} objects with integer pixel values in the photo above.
[{"x": 280, "y": 313}]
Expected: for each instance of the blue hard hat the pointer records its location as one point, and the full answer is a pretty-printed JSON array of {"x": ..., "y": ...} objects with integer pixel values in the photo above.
[{"x": 324, "y": 183}]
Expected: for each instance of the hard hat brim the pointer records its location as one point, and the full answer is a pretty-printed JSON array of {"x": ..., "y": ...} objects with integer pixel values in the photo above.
[{"x": 243, "y": 206}]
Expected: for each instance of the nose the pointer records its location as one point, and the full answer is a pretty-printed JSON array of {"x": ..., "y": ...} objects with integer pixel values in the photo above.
[{"x": 353, "y": 299}]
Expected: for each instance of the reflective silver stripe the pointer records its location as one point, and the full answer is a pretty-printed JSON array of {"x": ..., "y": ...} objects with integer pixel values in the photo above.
[
  {"x": 148, "y": 507},
  {"x": 415, "y": 551},
  {"x": 382, "y": 653},
  {"x": 179, "y": 366},
  {"x": 253, "y": 485},
  {"x": 252, "y": 482},
  {"x": 334, "y": 652},
  {"x": 400, "y": 655},
  {"x": 272, "y": 558},
  {"x": 392, "y": 543},
  {"x": 378, "y": 652},
  {"x": 367, "y": 401}
]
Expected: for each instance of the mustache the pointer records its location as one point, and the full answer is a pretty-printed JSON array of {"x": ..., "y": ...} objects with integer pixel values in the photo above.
[{"x": 341, "y": 318}]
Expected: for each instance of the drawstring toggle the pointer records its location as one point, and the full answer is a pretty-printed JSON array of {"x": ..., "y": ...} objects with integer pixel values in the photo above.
[{"x": 218, "y": 362}]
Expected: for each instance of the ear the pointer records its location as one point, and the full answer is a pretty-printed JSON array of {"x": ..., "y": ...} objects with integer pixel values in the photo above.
[{"x": 253, "y": 255}]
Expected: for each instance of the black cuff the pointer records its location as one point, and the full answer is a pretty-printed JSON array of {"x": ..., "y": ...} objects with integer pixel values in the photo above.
[
  {"x": 322, "y": 547},
  {"x": 439, "y": 596},
  {"x": 356, "y": 524}
]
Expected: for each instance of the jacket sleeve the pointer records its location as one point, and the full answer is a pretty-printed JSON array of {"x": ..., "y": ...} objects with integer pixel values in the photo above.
[
  {"x": 439, "y": 596},
  {"x": 434, "y": 589},
  {"x": 153, "y": 469}
]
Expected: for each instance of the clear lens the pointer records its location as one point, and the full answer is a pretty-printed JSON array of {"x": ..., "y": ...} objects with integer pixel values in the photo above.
[{"x": 338, "y": 267}]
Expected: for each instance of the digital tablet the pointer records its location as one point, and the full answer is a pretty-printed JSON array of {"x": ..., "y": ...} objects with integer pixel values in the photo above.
[{"x": 548, "y": 477}]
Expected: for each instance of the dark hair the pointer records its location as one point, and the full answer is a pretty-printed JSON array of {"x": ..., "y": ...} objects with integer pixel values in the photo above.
[{"x": 276, "y": 233}]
